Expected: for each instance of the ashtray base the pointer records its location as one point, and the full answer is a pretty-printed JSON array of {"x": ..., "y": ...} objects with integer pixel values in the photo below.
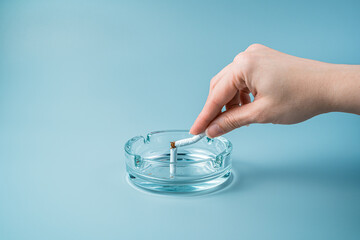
[{"x": 206, "y": 185}]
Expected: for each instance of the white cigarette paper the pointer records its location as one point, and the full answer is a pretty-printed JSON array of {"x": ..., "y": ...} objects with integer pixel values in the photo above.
[
  {"x": 181, "y": 143},
  {"x": 173, "y": 159},
  {"x": 188, "y": 141}
]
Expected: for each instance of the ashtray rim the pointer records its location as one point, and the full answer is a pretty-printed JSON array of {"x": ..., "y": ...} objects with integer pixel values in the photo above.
[{"x": 128, "y": 144}]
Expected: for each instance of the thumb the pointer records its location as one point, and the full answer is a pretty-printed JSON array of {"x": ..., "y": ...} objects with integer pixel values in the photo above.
[{"x": 233, "y": 118}]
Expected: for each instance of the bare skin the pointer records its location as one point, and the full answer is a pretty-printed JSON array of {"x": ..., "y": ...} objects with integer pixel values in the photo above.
[{"x": 286, "y": 90}]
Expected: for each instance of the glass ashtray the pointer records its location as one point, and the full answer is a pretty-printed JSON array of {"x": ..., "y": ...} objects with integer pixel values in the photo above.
[{"x": 201, "y": 166}]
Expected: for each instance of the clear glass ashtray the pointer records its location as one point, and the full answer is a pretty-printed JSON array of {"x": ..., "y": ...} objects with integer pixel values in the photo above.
[{"x": 201, "y": 166}]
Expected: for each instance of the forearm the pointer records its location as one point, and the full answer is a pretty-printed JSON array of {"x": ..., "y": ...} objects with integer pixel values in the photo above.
[{"x": 343, "y": 93}]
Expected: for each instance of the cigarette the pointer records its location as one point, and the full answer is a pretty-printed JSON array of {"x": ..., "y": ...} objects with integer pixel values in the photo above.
[
  {"x": 173, "y": 159},
  {"x": 188, "y": 141},
  {"x": 181, "y": 143}
]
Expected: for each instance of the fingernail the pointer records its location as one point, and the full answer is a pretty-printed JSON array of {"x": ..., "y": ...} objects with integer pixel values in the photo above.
[
  {"x": 214, "y": 131},
  {"x": 190, "y": 132}
]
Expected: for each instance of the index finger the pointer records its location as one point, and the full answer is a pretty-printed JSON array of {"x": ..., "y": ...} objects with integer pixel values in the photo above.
[{"x": 222, "y": 93}]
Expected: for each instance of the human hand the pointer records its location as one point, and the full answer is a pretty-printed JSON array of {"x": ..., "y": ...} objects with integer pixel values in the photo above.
[{"x": 286, "y": 90}]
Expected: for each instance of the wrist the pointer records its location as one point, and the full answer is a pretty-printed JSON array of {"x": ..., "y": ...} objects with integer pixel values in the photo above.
[{"x": 342, "y": 91}]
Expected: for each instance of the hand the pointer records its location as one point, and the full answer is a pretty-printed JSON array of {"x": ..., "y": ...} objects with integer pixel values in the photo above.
[{"x": 286, "y": 90}]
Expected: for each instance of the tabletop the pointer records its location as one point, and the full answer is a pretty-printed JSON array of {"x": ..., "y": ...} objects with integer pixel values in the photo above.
[{"x": 79, "y": 78}]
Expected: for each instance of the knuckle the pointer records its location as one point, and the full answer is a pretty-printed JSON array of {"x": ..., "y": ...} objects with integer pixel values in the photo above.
[
  {"x": 238, "y": 57},
  {"x": 254, "y": 47},
  {"x": 245, "y": 59},
  {"x": 215, "y": 101},
  {"x": 260, "y": 116},
  {"x": 212, "y": 83},
  {"x": 230, "y": 121},
  {"x": 233, "y": 75}
]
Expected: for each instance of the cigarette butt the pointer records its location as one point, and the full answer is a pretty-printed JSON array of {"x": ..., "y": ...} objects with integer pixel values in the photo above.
[{"x": 173, "y": 159}]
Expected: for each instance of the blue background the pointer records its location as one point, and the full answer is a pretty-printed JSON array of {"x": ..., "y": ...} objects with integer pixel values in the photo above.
[{"x": 79, "y": 78}]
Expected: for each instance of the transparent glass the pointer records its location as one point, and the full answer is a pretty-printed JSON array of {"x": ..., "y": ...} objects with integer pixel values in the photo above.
[{"x": 201, "y": 166}]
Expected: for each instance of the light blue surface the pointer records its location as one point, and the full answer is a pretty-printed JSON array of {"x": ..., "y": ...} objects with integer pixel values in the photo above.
[{"x": 78, "y": 78}]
